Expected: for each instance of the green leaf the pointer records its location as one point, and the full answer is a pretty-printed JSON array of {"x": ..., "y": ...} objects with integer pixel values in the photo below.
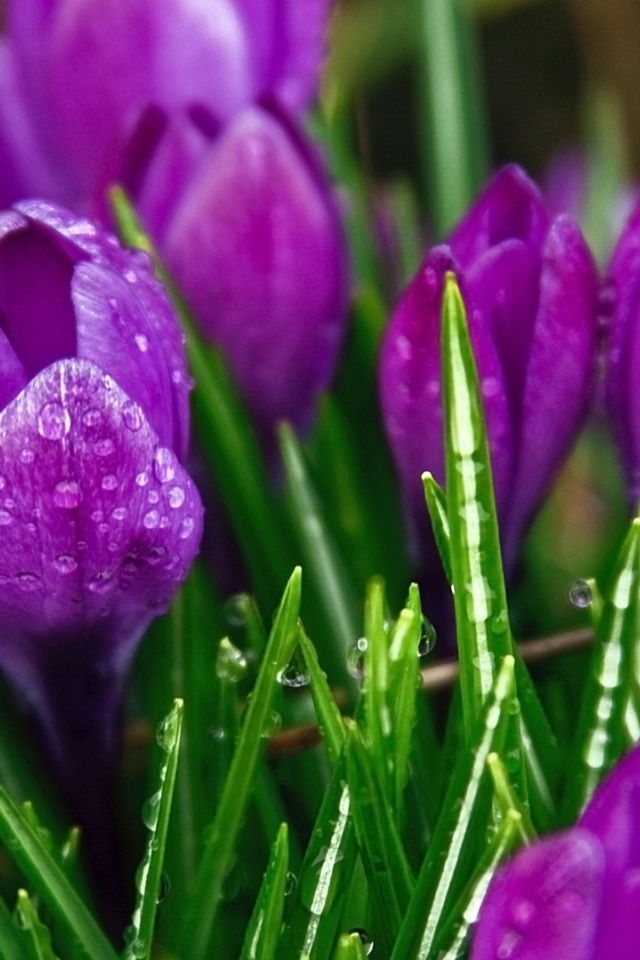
[
  {"x": 601, "y": 732},
  {"x": 36, "y": 937},
  {"x": 376, "y": 683},
  {"x": 327, "y": 710},
  {"x": 460, "y": 829},
  {"x": 404, "y": 674},
  {"x": 350, "y": 947},
  {"x": 200, "y": 917},
  {"x": 507, "y": 800},
  {"x": 50, "y": 883},
  {"x": 263, "y": 930},
  {"x": 437, "y": 506},
  {"x": 390, "y": 879},
  {"x": 11, "y": 946},
  {"x": 149, "y": 878}
]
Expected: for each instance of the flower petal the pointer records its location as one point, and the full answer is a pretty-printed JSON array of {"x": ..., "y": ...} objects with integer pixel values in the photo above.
[
  {"x": 257, "y": 248},
  {"x": 544, "y": 904},
  {"x": 99, "y": 521}
]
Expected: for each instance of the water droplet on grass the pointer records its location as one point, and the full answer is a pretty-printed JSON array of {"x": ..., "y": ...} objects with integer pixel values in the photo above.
[{"x": 580, "y": 594}]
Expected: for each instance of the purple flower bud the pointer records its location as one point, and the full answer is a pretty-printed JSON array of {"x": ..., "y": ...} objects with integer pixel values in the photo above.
[
  {"x": 530, "y": 289},
  {"x": 575, "y": 895},
  {"x": 247, "y": 224},
  {"x": 100, "y": 522}
]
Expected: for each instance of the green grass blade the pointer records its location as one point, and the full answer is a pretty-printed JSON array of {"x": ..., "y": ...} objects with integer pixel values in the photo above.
[
  {"x": 601, "y": 736},
  {"x": 328, "y": 581},
  {"x": 404, "y": 673},
  {"x": 453, "y": 941},
  {"x": 264, "y": 927},
  {"x": 327, "y": 710},
  {"x": 11, "y": 947},
  {"x": 350, "y": 947},
  {"x": 35, "y": 935},
  {"x": 390, "y": 879},
  {"x": 149, "y": 878},
  {"x": 460, "y": 829},
  {"x": 203, "y": 906},
  {"x": 50, "y": 883},
  {"x": 507, "y": 800},
  {"x": 376, "y": 682},
  {"x": 437, "y": 506}
]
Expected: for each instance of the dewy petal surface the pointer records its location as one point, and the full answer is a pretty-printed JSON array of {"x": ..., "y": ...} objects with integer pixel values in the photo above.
[
  {"x": 100, "y": 522},
  {"x": 544, "y": 904},
  {"x": 257, "y": 248}
]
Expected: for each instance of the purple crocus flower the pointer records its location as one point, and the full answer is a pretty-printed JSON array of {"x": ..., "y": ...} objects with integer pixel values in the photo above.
[
  {"x": 621, "y": 310},
  {"x": 575, "y": 895},
  {"x": 100, "y": 522},
  {"x": 530, "y": 289}
]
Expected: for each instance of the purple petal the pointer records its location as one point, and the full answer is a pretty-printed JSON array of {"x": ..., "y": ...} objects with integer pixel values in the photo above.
[
  {"x": 560, "y": 369},
  {"x": 544, "y": 904},
  {"x": 257, "y": 248},
  {"x": 99, "y": 521},
  {"x": 410, "y": 384},
  {"x": 565, "y": 183},
  {"x": 13, "y": 377},
  {"x": 509, "y": 208}
]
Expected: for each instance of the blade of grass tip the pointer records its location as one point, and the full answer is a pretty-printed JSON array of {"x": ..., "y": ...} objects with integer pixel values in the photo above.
[
  {"x": 327, "y": 710},
  {"x": 324, "y": 877},
  {"x": 263, "y": 930},
  {"x": 388, "y": 872},
  {"x": 600, "y": 738},
  {"x": 50, "y": 883},
  {"x": 324, "y": 570},
  {"x": 11, "y": 947},
  {"x": 36, "y": 936},
  {"x": 376, "y": 682},
  {"x": 350, "y": 947},
  {"x": 200, "y": 915},
  {"x": 453, "y": 941},
  {"x": 507, "y": 799},
  {"x": 459, "y": 832},
  {"x": 404, "y": 674},
  {"x": 437, "y": 506},
  {"x": 454, "y": 142},
  {"x": 150, "y": 878},
  {"x": 229, "y": 442}
]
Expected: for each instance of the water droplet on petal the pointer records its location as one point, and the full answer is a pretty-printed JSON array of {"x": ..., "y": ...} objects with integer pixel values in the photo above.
[
  {"x": 580, "y": 594},
  {"x": 508, "y": 944},
  {"x": 119, "y": 513},
  {"x": 28, "y": 581},
  {"x": 142, "y": 479},
  {"x": 5, "y": 518},
  {"x": 67, "y": 494},
  {"x": 91, "y": 418},
  {"x": 131, "y": 276},
  {"x": 164, "y": 465},
  {"x": 176, "y": 497},
  {"x": 101, "y": 583},
  {"x": 132, "y": 415},
  {"x": 65, "y": 563},
  {"x": 27, "y": 456},
  {"x": 104, "y": 447},
  {"x": 109, "y": 481},
  {"x": 142, "y": 342},
  {"x": 153, "y": 496},
  {"x": 53, "y": 421},
  {"x": 186, "y": 528},
  {"x": 151, "y": 519}
]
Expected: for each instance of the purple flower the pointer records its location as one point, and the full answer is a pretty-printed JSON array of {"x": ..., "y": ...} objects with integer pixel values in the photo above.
[
  {"x": 622, "y": 309},
  {"x": 100, "y": 522},
  {"x": 530, "y": 289},
  {"x": 247, "y": 225},
  {"x": 575, "y": 895}
]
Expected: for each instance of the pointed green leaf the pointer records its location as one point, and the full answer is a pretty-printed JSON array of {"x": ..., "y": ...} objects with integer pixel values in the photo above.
[
  {"x": 263, "y": 930},
  {"x": 35, "y": 935},
  {"x": 350, "y": 947},
  {"x": 437, "y": 505},
  {"x": 507, "y": 799},
  {"x": 327, "y": 710},
  {"x": 11, "y": 947}
]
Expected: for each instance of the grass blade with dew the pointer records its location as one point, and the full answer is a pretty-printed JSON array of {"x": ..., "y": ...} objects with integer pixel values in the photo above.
[
  {"x": 228, "y": 440},
  {"x": 327, "y": 711},
  {"x": 350, "y": 947},
  {"x": 50, "y": 883},
  {"x": 601, "y": 735},
  {"x": 506, "y": 798},
  {"x": 452, "y": 943},
  {"x": 263, "y": 930},
  {"x": 459, "y": 832},
  {"x": 404, "y": 674},
  {"x": 386, "y": 867},
  {"x": 150, "y": 877},
  {"x": 201, "y": 912},
  {"x": 437, "y": 505},
  {"x": 36, "y": 937},
  {"x": 324, "y": 571},
  {"x": 377, "y": 711}
]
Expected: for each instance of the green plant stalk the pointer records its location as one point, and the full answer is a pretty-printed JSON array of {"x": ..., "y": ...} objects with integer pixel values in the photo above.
[{"x": 263, "y": 930}]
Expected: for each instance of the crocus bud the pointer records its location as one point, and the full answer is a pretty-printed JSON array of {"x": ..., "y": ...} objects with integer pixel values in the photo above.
[
  {"x": 530, "y": 289},
  {"x": 99, "y": 519},
  {"x": 572, "y": 895},
  {"x": 621, "y": 310},
  {"x": 247, "y": 224},
  {"x": 223, "y": 54}
]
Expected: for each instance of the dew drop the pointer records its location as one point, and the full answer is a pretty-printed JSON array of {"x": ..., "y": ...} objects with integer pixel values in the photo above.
[
  {"x": 151, "y": 519},
  {"x": 119, "y": 513},
  {"x": 150, "y": 811},
  {"x": 176, "y": 376},
  {"x": 294, "y": 674},
  {"x": 66, "y": 494},
  {"x": 427, "y": 638},
  {"x": 132, "y": 416},
  {"x": 219, "y": 734},
  {"x": 153, "y": 496},
  {"x": 101, "y": 583},
  {"x": 167, "y": 732},
  {"x": 290, "y": 883},
  {"x": 142, "y": 479},
  {"x": 235, "y": 610},
  {"x": 164, "y": 523},
  {"x": 28, "y": 581},
  {"x": 176, "y": 497},
  {"x": 164, "y": 888},
  {"x": 97, "y": 516},
  {"x": 272, "y": 725},
  {"x": 142, "y": 342},
  {"x": 365, "y": 940},
  {"x": 5, "y": 518},
  {"x": 580, "y": 594},
  {"x": 27, "y": 456},
  {"x": 507, "y": 945},
  {"x": 186, "y": 528},
  {"x": 65, "y": 563},
  {"x": 355, "y": 658},
  {"x": 91, "y": 418},
  {"x": 131, "y": 276},
  {"x": 109, "y": 481},
  {"x": 2, "y": 483},
  {"x": 231, "y": 663},
  {"x": 164, "y": 465},
  {"x": 523, "y": 912},
  {"x": 53, "y": 421},
  {"x": 104, "y": 447}
]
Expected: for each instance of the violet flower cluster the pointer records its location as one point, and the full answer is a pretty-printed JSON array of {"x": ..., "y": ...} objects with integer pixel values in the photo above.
[
  {"x": 574, "y": 895},
  {"x": 530, "y": 288},
  {"x": 195, "y": 107}
]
